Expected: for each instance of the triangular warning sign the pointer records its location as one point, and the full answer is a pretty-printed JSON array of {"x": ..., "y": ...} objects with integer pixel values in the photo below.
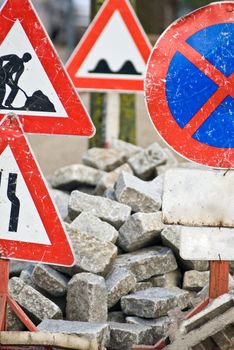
[
  {"x": 30, "y": 228},
  {"x": 113, "y": 53},
  {"x": 33, "y": 82}
]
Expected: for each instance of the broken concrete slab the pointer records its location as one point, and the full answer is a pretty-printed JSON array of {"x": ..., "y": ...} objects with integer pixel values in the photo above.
[
  {"x": 50, "y": 280},
  {"x": 119, "y": 282},
  {"x": 70, "y": 177},
  {"x": 91, "y": 225},
  {"x": 145, "y": 162},
  {"x": 87, "y": 298},
  {"x": 103, "y": 159},
  {"x": 140, "y": 230},
  {"x": 154, "y": 302},
  {"x": 110, "y": 211},
  {"x": 92, "y": 331},
  {"x": 148, "y": 262},
  {"x": 171, "y": 237},
  {"x": 192, "y": 197},
  {"x": 32, "y": 301},
  {"x": 140, "y": 195}
]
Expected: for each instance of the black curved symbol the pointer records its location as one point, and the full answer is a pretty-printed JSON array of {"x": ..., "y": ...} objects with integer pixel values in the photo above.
[{"x": 15, "y": 207}]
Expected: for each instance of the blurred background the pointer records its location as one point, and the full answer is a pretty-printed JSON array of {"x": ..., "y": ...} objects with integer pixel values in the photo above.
[{"x": 66, "y": 21}]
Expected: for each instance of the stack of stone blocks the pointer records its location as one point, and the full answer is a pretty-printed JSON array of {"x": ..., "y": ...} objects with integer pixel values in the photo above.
[{"x": 128, "y": 275}]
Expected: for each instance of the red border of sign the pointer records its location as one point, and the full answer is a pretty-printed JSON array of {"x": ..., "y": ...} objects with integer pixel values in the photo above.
[
  {"x": 59, "y": 252},
  {"x": 173, "y": 39},
  {"x": 92, "y": 35},
  {"x": 77, "y": 122}
]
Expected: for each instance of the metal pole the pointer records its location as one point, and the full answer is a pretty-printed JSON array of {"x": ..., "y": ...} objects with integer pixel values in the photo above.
[{"x": 4, "y": 278}]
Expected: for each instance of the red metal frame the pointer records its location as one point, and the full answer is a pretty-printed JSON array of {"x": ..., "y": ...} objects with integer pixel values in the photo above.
[
  {"x": 219, "y": 276},
  {"x": 6, "y": 299}
]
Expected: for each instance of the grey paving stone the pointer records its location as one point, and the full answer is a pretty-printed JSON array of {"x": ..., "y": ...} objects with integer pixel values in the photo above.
[
  {"x": 128, "y": 149},
  {"x": 72, "y": 176},
  {"x": 195, "y": 280},
  {"x": 109, "y": 179},
  {"x": 110, "y": 211},
  {"x": 92, "y": 331},
  {"x": 91, "y": 254},
  {"x": 145, "y": 162},
  {"x": 87, "y": 298},
  {"x": 119, "y": 282},
  {"x": 32, "y": 301},
  {"x": 103, "y": 159},
  {"x": 50, "y": 280},
  {"x": 140, "y": 195},
  {"x": 140, "y": 230},
  {"x": 61, "y": 200},
  {"x": 91, "y": 225},
  {"x": 148, "y": 262}
]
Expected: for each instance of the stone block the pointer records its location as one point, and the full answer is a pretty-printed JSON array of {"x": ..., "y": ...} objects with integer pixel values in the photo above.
[
  {"x": 91, "y": 225},
  {"x": 154, "y": 302},
  {"x": 142, "y": 286},
  {"x": 195, "y": 280},
  {"x": 103, "y": 159},
  {"x": 72, "y": 176},
  {"x": 32, "y": 301},
  {"x": 159, "y": 326},
  {"x": 140, "y": 230},
  {"x": 126, "y": 148},
  {"x": 140, "y": 195},
  {"x": 192, "y": 197},
  {"x": 119, "y": 282},
  {"x": 109, "y": 179},
  {"x": 124, "y": 336},
  {"x": 87, "y": 298},
  {"x": 171, "y": 237},
  {"x": 148, "y": 262},
  {"x": 100, "y": 332},
  {"x": 61, "y": 200},
  {"x": 168, "y": 280},
  {"x": 144, "y": 163},
  {"x": 91, "y": 254},
  {"x": 110, "y": 211},
  {"x": 49, "y": 280}
]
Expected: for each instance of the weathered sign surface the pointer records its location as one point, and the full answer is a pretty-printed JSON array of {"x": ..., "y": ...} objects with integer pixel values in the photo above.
[
  {"x": 30, "y": 228},
  {"x": 33, "y": 83},
  {"x": 189, "y": 85},
  {"x": 113, "y": 53}
]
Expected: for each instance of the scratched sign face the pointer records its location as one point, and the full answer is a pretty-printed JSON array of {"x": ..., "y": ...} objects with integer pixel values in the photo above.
[
  {"x": 190, "y": 85},
  {"x": 33, "y": 83},
  {"x": 30, "y": 228}
]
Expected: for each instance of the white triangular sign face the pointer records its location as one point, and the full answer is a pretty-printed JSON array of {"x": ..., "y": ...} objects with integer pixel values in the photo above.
[
  {"x": 113, "y": 53},
  {"x": 17, "y": 43},
  {"x": 124, "y": 57},
  {"x": 29, "y": 226}
]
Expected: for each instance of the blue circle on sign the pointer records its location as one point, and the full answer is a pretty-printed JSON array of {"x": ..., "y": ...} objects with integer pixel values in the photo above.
[{"x": 188, "y": 88}]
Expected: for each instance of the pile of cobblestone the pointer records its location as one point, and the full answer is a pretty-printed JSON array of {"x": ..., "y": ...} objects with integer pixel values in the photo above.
[{"x": 128, "y": 277}]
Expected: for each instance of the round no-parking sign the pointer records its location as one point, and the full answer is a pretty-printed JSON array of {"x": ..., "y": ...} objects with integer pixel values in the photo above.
[{"x": 190, "y": 85}]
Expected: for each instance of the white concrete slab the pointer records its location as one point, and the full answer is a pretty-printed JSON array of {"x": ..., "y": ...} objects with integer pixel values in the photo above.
[
  {"x": 199, "y": 197},
  {"x": 207, "y": 243}
]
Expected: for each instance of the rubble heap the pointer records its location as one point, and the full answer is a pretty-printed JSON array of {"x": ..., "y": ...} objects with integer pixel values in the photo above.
[{"x": 128, "y": 276}]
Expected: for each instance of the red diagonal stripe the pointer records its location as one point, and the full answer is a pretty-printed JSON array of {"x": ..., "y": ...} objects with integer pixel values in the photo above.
[{"x": 200, "y": 117}]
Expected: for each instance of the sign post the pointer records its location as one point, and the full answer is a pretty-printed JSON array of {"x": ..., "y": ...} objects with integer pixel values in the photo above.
[{"x": 189, "y": 94}]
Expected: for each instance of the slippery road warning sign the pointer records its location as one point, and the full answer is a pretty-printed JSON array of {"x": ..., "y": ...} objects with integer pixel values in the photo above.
[
  {"x": 30, "y": 228},
  {"x": 33, "y": 83},
  {"x": 113, "y": 53},
  {"x": 190, "y": 85}
]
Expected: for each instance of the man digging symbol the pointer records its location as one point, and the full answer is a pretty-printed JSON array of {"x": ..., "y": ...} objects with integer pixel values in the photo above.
[{"x": 10, "y": 73}]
